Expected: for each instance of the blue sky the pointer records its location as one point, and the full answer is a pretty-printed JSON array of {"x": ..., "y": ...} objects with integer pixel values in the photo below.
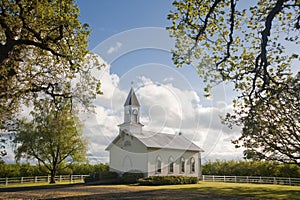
[
  {"x": 131, "y": 39},
  {"x": 107, "y": 18}
]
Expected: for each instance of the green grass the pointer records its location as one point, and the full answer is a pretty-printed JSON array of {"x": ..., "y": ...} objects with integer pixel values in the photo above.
[
  {"x": 242, "y": 189},
  {"x": 261, "y": 191}
]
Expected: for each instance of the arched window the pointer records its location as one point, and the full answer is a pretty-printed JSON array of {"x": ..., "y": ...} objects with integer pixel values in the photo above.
[
  {"x": 158, "y": 165},
  {"x": 171, "y": 165},
  {"x": 182, "y": 165},
  {"x": 192, "y": 162}
]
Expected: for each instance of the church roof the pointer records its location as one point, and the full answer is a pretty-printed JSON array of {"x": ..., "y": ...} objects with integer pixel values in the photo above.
[
  {"x": 131, "y": 99},
  {"x": 162, "y": 141},
  {"x": 166, "y": 141}
]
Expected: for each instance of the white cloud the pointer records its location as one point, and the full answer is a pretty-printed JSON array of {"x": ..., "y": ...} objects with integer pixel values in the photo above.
[
  {"x": 164, "y": 108},
  {"x": 114, "y": 48}
]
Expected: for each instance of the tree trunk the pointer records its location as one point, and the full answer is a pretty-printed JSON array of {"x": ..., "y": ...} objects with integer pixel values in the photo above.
[{"x": 52, "y": 178}]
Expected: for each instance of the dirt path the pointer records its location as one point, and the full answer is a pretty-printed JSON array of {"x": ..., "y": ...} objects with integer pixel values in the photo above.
[{"x": 107, "y": 192}]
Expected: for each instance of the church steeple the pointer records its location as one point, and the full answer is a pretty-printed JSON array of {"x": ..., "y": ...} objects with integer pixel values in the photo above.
[
  {"x": 132, "y": 114},
  {"x": 131, "y": 99}
]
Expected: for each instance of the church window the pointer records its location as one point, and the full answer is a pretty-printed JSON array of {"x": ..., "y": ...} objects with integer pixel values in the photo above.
[
  {"x": 192, "y": 162},
  {"x": 158, "y": 165},
  {"x": 182, "y": 165},
  {"x": 171, "y": 165}
]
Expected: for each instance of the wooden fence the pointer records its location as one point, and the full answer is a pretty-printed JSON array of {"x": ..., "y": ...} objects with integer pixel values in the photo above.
[
  {"x": 211, "y": 178},
  {"x": 42, "y": 179},
  {"x": 252, "y": 179}
]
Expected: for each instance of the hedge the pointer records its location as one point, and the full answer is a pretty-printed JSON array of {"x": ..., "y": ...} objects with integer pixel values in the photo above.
[
  {"x": 131, "y": 177},
  {"x": 105, "y": 175},
  {"x": 167, "y": 180}
]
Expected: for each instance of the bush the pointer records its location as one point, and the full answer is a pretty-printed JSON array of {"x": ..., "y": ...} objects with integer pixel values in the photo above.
[
  {"x": 167, "y": 180},
  {"x": 131, "y": 177},
  {"x": 105, "y": 175},
  {"x": 102, "y": 177}
]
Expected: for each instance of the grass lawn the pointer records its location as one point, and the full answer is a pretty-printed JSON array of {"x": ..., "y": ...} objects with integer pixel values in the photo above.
[
  {"x": 242, "y": 189},
  {"x": 203, "y": 190}
]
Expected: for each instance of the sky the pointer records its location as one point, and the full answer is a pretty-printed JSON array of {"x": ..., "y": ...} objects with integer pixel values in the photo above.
[{"x": 131, "y": 39}]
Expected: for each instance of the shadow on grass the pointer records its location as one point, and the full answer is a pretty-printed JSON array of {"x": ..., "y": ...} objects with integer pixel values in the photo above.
[
  {"x": 198, "y": 191},
  {"x": 38, "y": 187},
  {"x": 112, "y": 192},
  {"x": 160, "y": 194},
  {"x": 257, "y": 192}
]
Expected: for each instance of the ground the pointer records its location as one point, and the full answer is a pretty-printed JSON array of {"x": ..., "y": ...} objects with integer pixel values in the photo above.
[{"x": 80, "y": 191}]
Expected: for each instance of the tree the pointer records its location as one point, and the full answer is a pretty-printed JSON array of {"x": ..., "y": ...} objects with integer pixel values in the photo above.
[
  {"x": 271, "y": 130},
  {"x": 247, "y": 47},
  {"x": 53, "y": 137},
  {"x": 43, "y": 46},
  {"x": 43, "y": 53}
]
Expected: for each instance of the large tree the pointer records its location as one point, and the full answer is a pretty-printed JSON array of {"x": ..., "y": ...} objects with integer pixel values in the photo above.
[
  {"x": 254, "y": 45},
  {"x": 43, "y": 49},
  {"x": 53, "y": 137}
]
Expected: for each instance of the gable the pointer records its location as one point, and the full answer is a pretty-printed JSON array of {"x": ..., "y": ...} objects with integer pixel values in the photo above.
[{"x": 128, "y": 143}]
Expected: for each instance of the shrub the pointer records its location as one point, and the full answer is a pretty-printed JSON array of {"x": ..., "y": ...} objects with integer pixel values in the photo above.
[
  {"x": 167, "y": 180},
  {"x": 108, "y": 175},
  {"x": 131, "y": 177},
  {"x": 102, "y": 176}
]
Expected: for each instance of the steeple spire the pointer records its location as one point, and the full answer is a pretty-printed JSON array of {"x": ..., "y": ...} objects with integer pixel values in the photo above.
[
  {"x": 131, "y": 114},
  {"x": 131, "y": 99}
]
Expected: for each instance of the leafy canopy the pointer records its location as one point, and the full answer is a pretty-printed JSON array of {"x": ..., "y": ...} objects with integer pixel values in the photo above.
[
  {"x": 53, "y": 137},
  {"x": 43, "y": 47},
  {"x": 247, "y": 45}
]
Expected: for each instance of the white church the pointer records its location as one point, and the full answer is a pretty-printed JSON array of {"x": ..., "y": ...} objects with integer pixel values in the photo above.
[{"x": 152, "y": 153}]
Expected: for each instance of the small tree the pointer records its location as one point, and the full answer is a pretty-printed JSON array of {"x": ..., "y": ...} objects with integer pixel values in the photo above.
[{"x": 53, "y": 137}]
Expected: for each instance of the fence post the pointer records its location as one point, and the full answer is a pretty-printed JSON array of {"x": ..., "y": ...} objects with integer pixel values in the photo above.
[
  {"x": 290, "y": 181},
  {"x": 81, "y": 178},
  {"x": 224, "y": 178},
  {"x": 71, "y": 178},
  {"x": 21, "y": 180},
  {"x": 35, "y": 179},
  {"x": 203, "y": 177},
  {"x": 260, "y": 179},
  {"x": 59, "y": 178},
  {"x": 48, "y": 179},
  {"x": 247, "y": 179},
  {"x": 213, "y": 178},
  {"x": 6, "y": 181}
]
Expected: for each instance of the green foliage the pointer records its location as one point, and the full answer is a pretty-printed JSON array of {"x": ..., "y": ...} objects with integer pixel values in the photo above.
[
  {"x": 247, "y": 47},
  {"x": 131, "y": 177},
  {"x": 88, "y": 168},
  {"x": 250, "y": 168},
  {"x": 44, "y": 54},
  {"x": 105, "y": 175},
  {"x": 167, "y": 180},
  {"x": 21, "y": 170},
  {"x": 26, "y": 170},
  {"x": 53, "y": 137}
]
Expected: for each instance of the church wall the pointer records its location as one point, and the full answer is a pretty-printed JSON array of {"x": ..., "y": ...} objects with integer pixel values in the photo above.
[
  {"x": 164, "y": 155},
  {"x": 128, "y": 154}
]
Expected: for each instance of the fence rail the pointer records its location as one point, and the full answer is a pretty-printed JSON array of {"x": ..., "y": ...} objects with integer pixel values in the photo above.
[
  {"x": 252, "y": 179},
  {"x": 42, "y": 179}
]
